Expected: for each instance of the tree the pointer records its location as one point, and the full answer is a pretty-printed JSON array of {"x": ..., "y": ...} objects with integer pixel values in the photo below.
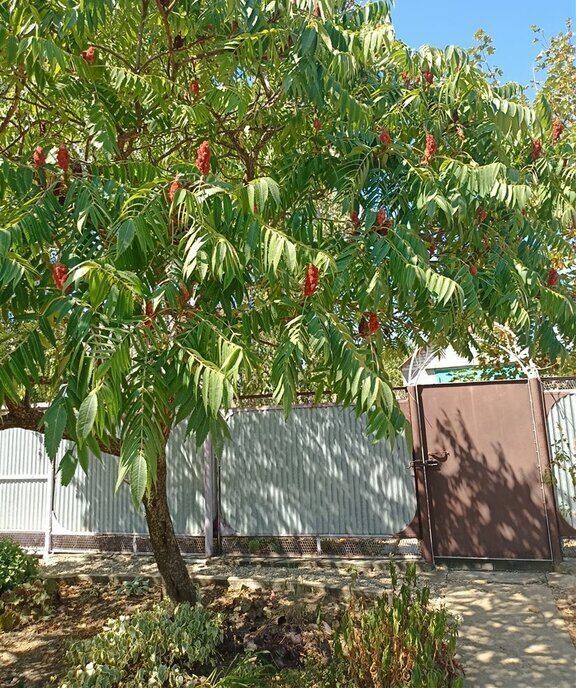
[
  {"x": 556, "y": 63},
  {"x": 195, "y": 194},
  {"x": 556, "y": 69}
]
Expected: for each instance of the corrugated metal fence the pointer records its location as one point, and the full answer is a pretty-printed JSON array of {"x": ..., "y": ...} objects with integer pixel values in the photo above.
[
  {"x": 316, "y": 474},
  {"x": 562, "y": 433}
]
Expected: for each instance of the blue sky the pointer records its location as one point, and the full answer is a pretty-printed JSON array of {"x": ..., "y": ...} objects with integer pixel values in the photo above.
[{"x": 508, "y": 22}]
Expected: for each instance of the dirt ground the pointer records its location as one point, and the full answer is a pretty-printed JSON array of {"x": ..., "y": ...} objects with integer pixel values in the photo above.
[
  {"x": 31, "y": 655},
  {"x": 289, "y": 627}
]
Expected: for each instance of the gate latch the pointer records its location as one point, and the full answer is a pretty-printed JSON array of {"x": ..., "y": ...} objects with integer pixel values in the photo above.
[{"x": 432, "y": 460}]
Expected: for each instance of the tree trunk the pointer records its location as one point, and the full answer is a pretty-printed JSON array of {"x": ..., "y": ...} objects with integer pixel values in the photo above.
[{"x": 179, "y": 586}]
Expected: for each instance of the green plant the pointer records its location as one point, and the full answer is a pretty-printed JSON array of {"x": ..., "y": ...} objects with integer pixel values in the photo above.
[
  {"x": 163, "y": 646},
  {"x": 27, "y": 602},
  {"x": 16, "y": 567},
  {"x": 401, "y": 640},
  {"x": 136, "y": 587},
  {"x": 245, "y": 672}
]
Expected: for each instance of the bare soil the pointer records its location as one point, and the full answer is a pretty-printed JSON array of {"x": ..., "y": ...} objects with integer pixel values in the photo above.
[
  {"x": 32, "y": 654},
  {"x": 290, "y": 628}
]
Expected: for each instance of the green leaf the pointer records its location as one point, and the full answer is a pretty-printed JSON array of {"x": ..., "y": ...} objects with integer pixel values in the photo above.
[
  {"x": 138, "y": 478},
  {"x": 87, "y": 415},
  {"x": 126, "y": 234},
  {"x": 67, "y": 467},
  {"x": 54, "y": 422}
]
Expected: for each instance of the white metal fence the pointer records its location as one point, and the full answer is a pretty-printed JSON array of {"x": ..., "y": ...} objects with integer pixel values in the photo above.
[{"x": 316, "y": 474}]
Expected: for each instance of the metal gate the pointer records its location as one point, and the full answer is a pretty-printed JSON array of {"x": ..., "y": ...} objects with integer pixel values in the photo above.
[{"x": 480, "y": 466}]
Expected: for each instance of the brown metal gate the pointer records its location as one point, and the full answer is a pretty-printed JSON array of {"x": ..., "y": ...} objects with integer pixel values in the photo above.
[{"x": 481, "y": 458}]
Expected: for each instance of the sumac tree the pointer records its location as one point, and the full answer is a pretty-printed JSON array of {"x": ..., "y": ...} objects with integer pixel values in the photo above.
[{"x": 173, "y": 218}]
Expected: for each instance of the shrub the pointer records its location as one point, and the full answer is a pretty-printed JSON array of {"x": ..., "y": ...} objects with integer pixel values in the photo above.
[
  {"x": 160, "y": 647},
  {"x": 27, "y": 602},
  {"x": 16, "y": 567},
  {"x": 401, "y": 640}
]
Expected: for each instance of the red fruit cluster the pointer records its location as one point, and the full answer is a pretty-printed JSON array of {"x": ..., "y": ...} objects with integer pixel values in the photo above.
[
  {"x": 311, "y": 281},
  {"x": 431, "y": 148},
  {"x": 63, "y": 157},
  {"x": 481, "y": 215},
  {"x": 317, "y": 124},
  {"x": 174, "y": 188},
  {"x": 369, "y": 324},
  {"x": 373, "y": 323},
  {"x": 428, "y": 76},
  {"x": 557, "y": 129},
  {"x": 355, "y": 218},
  {"x": 473, "y": 270},
  {"x": 553, "y": 277},
  {"x": 536, "y": 149},
  {"x": 89, "y": 54},
  {"x": 385, "y": 137},
  {"x": 149, "y": 310},
  {"x": 185, "y": 294},
  {"x": 59, "y": 274},
  {"x": 383, "y": 224},
  {"x": 38, "y": 157},
  {"x": 195, "y": 87},
  {"x": 203, "y": 158}
]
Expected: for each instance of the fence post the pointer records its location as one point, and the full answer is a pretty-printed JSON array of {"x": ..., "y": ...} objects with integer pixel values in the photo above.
[
  {"x": 542, "y": 441},
  {"x": 418, "y": 445},
  {"x": 50, "y": 478},
  {"x": 208, "y": 498}
]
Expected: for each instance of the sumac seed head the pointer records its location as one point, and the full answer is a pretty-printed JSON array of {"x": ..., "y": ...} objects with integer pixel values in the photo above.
[
  {"x": 89, "y": 54},
  {"x": 38, "y": 157},
  {"x": 385, "y": 137},
  {"x": 311, "y": 280},
  {"x": 553, "y": 277},
  {"x": 203, "y": 158},
  {"x": 63, "y": 157}
]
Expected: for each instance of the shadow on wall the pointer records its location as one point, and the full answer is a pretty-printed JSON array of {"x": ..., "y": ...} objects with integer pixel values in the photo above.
[
  {"x": 487, "y": 499},
  {"x": 91, "y": 505},
  {"x": 319, "y": 472}
]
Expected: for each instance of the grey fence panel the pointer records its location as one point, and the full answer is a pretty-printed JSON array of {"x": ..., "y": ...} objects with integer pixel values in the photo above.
[
  {"x": 23, "y": 481},
  {"x": 319, "y": 473},
  {"x": 562, "y": 432},
  {"x": 186, "y": 483},
  {"x": 90, "y": 505}
]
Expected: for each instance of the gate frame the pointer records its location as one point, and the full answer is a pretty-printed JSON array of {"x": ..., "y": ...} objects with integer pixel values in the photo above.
[{"x": 543, "y": 457}]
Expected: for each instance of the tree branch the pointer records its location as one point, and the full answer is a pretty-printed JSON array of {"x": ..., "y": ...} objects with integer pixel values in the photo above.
[
  {"x": 26, "y": 417},
  {"x": 12, "y": 109}
]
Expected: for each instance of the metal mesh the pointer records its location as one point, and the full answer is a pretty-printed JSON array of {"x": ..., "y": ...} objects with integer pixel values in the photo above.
[
  {"x": 322, "y": 546},
  {"x": 28, "y": 540},
  {"x": 559, "y": 383},
  {"x": 121, "y": 543},
  {"x": 269, "y": 546}
]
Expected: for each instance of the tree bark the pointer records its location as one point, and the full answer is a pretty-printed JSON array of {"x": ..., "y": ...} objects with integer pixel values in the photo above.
[{"x": 165, "y": 547}]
